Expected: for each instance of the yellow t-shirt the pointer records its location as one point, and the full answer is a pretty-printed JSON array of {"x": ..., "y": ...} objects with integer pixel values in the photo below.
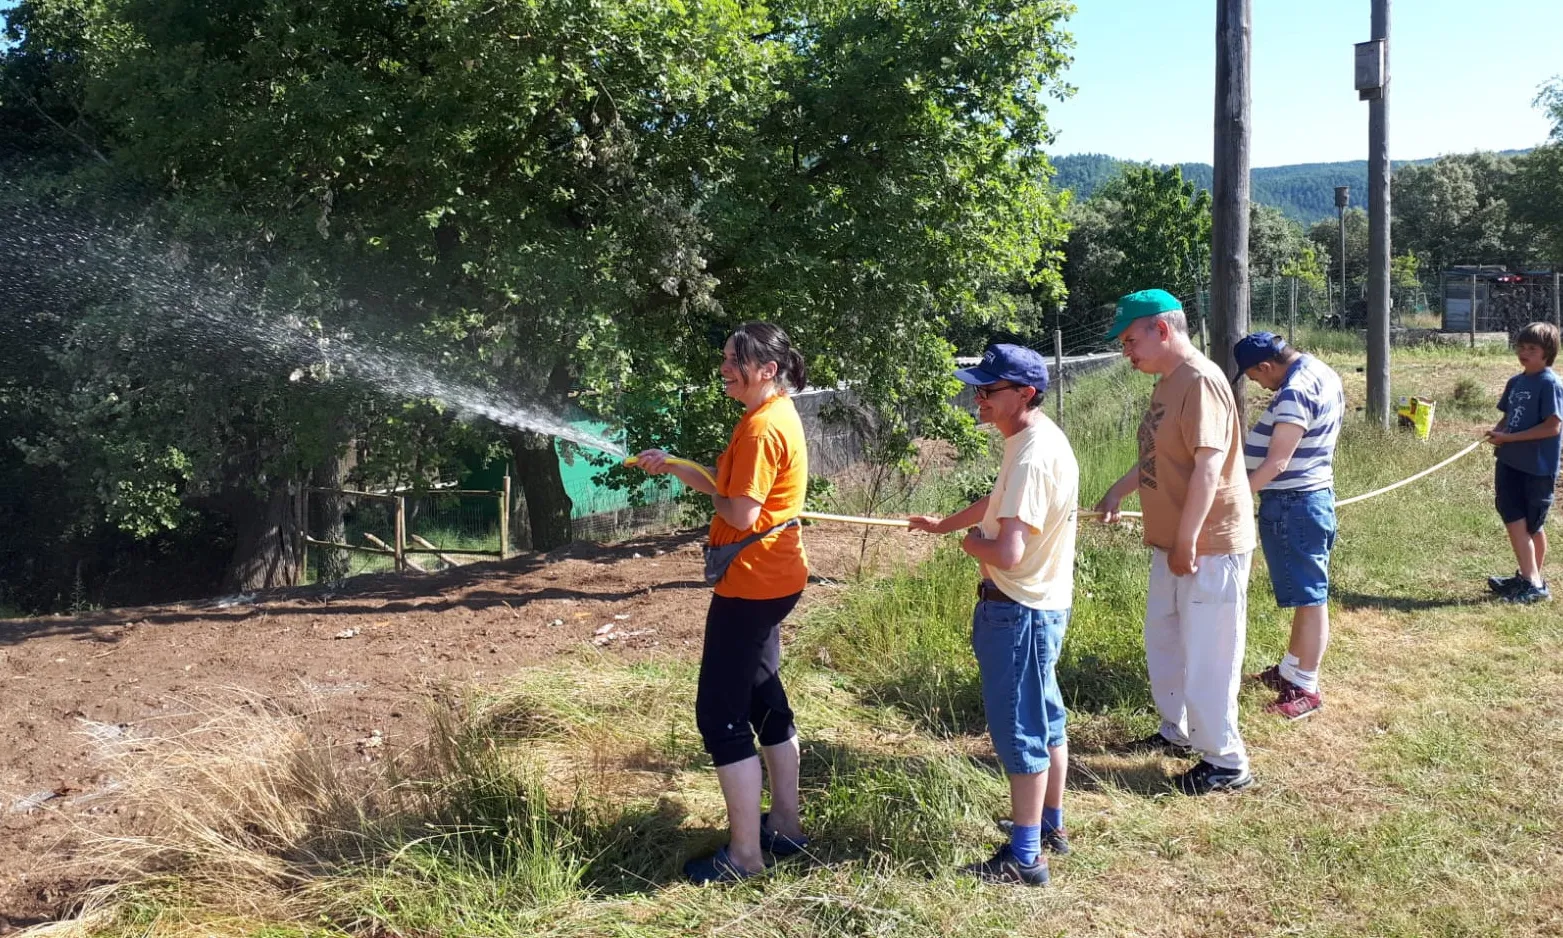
[
  {"x": 766, "y": 460},
  {"x": 1191, "y": 409},
  {"x": 1039, "y": 484}
]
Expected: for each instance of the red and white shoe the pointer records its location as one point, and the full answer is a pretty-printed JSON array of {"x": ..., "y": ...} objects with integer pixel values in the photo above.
[{"x": 1294, "y": 703}]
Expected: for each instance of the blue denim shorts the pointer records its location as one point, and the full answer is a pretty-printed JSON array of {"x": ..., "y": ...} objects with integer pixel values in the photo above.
[
  {"x": 1297, "y": 532},
  {"x": 1017, "y": 650}
]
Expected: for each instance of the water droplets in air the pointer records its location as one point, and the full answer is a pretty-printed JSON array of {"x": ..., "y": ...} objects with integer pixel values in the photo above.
[{"x": 41, "y": 254}]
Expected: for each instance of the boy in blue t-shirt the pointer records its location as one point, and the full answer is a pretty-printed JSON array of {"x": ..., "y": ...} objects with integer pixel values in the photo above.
[{"x": 1528, "y": 445}]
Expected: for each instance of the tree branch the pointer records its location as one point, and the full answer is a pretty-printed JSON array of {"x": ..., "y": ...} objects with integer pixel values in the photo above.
[{"x": 61, "y": 127}]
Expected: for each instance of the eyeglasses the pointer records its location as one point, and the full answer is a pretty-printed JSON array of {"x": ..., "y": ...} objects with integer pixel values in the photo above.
[{"x": 985, "y": 391}]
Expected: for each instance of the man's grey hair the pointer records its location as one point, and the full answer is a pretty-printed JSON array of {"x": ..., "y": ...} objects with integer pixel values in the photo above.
[{"x": 1175, "y": 319}]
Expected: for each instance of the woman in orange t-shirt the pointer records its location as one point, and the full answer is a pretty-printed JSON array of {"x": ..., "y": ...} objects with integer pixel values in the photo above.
[{"x": 761, "y": 480}]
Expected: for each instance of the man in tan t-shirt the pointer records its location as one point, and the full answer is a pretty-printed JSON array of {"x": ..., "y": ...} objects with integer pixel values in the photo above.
[{"x": 1199, "y": 522}]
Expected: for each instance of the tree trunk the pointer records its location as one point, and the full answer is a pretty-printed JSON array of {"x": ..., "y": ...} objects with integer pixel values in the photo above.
[
  {"x": 329, "y": 522},
  {"x": 267, "y": 529},
  {"x": 548, "y": 504}
]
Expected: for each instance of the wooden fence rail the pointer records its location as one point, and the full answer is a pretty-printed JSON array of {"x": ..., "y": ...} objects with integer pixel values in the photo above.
[{"x": 398, "y": 548}]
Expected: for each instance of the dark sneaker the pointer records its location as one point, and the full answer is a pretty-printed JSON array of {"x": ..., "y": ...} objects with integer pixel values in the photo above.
[
  {"x": 1205, "y": 778},
  {"x": 1271, "y": 678},
  {"x": 1505, "y": 584},
  {"x": 780, "y": 845},
  {"x": 1003, "y": 868},
  {"x": 1052, "y": 841},
  {"x": 719, "y": 867},
  {"x": 1154, "y": 743},
  {"x": 1296, "y": 703},
  {"x": 1529, "y": 593},
  {"x": 1056, "y": 842}
]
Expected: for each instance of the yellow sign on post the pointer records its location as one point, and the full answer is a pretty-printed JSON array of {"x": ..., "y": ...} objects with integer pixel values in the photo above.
[{"x": 1417, "y": 414}]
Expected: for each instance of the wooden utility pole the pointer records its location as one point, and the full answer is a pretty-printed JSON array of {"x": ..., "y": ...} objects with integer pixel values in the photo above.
[
  {"x": 1373, "y": 86},
  {"x": 1229, "y": 211}
]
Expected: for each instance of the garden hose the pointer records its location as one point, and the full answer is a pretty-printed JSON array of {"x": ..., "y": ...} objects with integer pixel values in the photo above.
[
  {"x": 844, "y": 519},
  {"x": 902, "y": 522}
]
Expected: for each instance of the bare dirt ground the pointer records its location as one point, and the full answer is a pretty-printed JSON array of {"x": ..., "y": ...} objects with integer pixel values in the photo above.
[{"x": 358, "y": 663}]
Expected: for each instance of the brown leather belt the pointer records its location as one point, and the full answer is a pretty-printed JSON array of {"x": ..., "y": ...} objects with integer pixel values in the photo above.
[{"x": 988, "y": 593}]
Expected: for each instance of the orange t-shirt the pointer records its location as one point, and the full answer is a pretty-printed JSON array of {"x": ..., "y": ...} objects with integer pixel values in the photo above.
[{"x": 766, "y": 460}]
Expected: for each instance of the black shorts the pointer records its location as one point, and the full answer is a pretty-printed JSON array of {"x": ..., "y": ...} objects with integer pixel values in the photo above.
[
  {"x": 1520, "y": 496},
  {"x": 741, "y": 694}
]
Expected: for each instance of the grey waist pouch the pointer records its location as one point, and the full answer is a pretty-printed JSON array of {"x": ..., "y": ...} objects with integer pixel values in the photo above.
[{"x": 718, "y": 559}]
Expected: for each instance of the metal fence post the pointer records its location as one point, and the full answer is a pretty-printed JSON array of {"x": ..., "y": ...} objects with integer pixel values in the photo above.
[
  {"x": 1058, "y": 373},
  {"x": 1291, "y": 312},
  {"x": 504, "y": 519},
  {"x": 1473, "y": 311},
  {"x": 1557, "y": 301}
]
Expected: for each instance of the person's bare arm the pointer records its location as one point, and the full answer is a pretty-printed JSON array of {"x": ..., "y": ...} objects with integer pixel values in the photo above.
[
  {"x": 1283, "y": 445},
  {"x": 965, "y": 518},
  {"x": 1002, "y": 552},
  {"x": 1202, "y": 494}
]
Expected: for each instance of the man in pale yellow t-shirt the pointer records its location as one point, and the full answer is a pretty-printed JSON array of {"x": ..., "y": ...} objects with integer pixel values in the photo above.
[
  {"x": 1199, "y": 522},
  {"x": 1023, "y": 535}
]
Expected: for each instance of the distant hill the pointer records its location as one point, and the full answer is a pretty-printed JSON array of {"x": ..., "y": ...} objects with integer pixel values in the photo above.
[{"x": 1305, "y": 192}]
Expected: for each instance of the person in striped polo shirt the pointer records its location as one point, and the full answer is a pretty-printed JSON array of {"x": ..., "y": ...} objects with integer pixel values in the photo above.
[{"x": 1290, "y": 454}]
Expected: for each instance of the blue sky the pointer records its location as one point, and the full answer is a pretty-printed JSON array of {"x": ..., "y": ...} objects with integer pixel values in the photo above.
[{"x": 1463, "y": 78}]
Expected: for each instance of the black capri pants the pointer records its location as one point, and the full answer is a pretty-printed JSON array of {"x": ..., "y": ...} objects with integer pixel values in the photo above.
[{"x": 740, "y": 694}]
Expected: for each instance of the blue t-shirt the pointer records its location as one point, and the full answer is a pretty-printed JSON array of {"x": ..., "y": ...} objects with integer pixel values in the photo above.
[{"x": 1529, "y": 400}]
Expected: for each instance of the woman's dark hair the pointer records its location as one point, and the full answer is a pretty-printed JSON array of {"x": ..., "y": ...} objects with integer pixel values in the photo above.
[{"x": 755, "y": 343}]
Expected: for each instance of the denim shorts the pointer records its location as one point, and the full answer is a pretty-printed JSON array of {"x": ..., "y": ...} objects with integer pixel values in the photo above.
[
  {"x": 1017, "y": 650},
  {"x": 1297, "y": 532},
  {"x": 1520, "y": 496}
]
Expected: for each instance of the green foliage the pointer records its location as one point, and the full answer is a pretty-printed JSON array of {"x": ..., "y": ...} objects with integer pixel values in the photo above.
[
  {"x": 1275, "y": 242},
  {"x": 1537, "y": 199},
  {"x": 1550, "y": 100},
  {"x": 574, "y": 196},
  {"x": 1306, "y": 267},
  {"x": 1147, "y": 227},
  {"x": 1456, "y": 210},
  {"x": 1161, "y": 230},
  {"x": 1304, "y": 192}
]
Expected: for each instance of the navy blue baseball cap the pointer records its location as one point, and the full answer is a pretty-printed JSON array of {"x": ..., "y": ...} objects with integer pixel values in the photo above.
[
  {"x": 1013, "y": 363},
  {"x": 1257, "y": 349}
]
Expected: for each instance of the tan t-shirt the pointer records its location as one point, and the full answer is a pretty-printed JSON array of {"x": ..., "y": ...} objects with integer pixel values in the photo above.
[
  {"x": 1039, "y": 484},
  {"x": 1192, "y": 408}
]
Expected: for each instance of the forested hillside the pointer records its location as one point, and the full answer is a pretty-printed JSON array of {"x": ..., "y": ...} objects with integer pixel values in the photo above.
[{"x": 1304, "y": 192}]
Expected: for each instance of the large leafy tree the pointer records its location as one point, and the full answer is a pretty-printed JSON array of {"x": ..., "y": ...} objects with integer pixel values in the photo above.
[
  {"x": 1456, "y": 210},
  {"x": 1537, "y": 188},
  {"x": 1275, "y": 242},
  {"x": 555, "y": 197},
  {"x": 1148, "y": 227}
]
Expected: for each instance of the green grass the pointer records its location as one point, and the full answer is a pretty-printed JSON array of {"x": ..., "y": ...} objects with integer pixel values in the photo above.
[{"x": 1422, "y": 801}]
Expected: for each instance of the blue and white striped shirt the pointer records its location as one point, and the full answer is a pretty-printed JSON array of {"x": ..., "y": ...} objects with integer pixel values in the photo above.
[{"x": 1310, "y": 396}]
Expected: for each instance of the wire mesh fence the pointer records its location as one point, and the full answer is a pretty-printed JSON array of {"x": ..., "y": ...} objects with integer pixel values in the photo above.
[
  {"x": 349, "y": 533},
  {"x": 456, "y": 521}
]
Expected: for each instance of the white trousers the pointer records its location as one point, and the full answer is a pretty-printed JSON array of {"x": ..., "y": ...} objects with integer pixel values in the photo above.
[{"x": 1195, "y": 627}]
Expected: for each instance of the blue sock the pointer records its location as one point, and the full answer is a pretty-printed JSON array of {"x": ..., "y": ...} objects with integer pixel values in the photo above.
[
  {"x": 1052, "y": 819},
  {"x": 1026, "y": 843}
]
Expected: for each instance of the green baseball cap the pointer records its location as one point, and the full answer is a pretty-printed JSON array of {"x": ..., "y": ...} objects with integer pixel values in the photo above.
[{"x": 1140, "y": 304}]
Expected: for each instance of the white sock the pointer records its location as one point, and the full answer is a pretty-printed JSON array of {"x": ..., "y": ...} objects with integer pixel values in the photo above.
[{"x": 1291, "y": 670}]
